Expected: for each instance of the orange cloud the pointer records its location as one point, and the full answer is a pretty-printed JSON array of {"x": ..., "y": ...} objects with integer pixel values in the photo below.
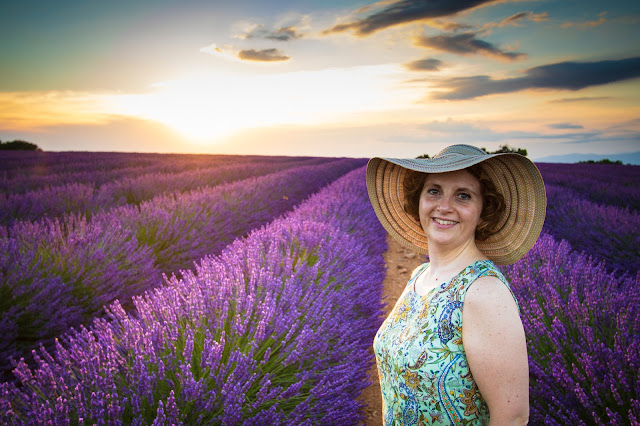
[
  {"x": 28, "y": 110},
  {"x": 586, "y": 24}
]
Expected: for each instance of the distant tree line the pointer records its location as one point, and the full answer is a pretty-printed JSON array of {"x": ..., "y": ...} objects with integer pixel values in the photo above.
[
  {"x": 18, "y": 145},
  {"x": 504, "y": 149},
  {"x": 603, "y": 161}
]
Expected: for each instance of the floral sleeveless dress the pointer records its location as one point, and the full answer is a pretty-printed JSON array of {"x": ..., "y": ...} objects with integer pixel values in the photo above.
[{"x": 423, "y": 369}]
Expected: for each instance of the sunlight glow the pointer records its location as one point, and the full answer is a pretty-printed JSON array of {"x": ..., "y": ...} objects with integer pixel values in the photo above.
[
  {"x": 207, "y": 108},
  {"x": 29, "y": 110}
]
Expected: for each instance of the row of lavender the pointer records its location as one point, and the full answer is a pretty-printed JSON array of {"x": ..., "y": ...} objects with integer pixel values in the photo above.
[
  {"x": 87, "y": 194},
  {"x": 83, "y": 265},
  {"x": 595, "y": 208},
  {"x": 27, "y": 171},
  {"x": 274, "y": 330},
  {"x": 579, "y": 291},
  {"x": 609, "y": 184},
  {"x": 583, "y": 335}
]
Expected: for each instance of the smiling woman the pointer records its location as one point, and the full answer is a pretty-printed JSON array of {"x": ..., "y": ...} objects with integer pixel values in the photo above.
[{"x": 207, "y": 108}]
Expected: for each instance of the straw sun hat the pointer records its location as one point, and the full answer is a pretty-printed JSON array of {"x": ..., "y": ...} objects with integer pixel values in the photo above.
[{"x": 514, "y": 175}]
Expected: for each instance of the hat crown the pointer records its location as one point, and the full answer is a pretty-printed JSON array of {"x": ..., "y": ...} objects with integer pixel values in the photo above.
[{"x": 460, "y": 149}]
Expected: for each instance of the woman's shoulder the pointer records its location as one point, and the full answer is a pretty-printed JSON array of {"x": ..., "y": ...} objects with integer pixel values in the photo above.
[{"x": 489, "y": 288}]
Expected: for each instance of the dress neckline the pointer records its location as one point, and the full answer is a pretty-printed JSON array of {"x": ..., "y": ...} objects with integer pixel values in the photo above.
[{"x": 413, "y": 285}]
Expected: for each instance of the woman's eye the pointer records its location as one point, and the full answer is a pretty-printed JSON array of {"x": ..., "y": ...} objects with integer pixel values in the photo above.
[
  {"x": 464, "y": 196},
  {"x": 432, "y": 191}
]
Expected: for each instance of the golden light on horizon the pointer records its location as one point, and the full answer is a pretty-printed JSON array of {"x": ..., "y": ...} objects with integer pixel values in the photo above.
[
  {"x": 32, "y": 110},
  {"x": 209, "y": 108}
]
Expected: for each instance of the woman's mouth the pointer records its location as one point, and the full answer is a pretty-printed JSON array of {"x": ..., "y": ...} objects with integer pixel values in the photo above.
[{"x": 444, "y": 222}]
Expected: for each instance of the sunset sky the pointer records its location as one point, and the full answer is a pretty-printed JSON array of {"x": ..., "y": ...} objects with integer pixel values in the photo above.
[{"x": 396, "y": 78}]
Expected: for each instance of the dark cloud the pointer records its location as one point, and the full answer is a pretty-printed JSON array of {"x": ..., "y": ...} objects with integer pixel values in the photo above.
[
  {"x": 265, "y": 55},
  {"x": 427, "y": 64},
  {"x": 281, "y": 34},
  {"x": 404, "y": 12},
  {"x": 465, "y": 44},
  {"x": 565, "y": 126},
  {"x": 560, "y": 76}
]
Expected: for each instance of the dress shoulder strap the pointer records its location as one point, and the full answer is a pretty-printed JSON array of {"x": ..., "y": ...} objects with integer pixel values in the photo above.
[
  {"x": 417, "y": 272},
  {"x": 486, "y": 268}
]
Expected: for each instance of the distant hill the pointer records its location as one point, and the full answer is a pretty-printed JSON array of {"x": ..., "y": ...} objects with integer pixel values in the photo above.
[{"x": 626, "y": 158}]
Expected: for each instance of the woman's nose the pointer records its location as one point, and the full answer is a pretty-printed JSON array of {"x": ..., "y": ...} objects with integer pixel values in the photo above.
[{"x": 444, "y": 204}]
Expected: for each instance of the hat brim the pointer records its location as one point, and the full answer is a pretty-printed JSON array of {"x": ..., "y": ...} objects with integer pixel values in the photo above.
[{"x": 515, "y": 177}]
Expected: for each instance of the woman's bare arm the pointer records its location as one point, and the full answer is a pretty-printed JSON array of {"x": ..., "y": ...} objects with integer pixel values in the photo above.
[{"x": 494, "y": 341}]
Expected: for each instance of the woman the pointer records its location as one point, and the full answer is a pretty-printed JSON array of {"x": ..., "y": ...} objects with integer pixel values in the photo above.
[{"x": 453, "y": 349}]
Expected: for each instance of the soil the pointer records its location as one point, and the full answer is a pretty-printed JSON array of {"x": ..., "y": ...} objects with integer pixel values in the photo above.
[{"x": 400, "y": 262}]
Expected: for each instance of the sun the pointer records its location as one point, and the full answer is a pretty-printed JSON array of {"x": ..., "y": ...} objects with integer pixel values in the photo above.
[{"x": 212, "y": 107}]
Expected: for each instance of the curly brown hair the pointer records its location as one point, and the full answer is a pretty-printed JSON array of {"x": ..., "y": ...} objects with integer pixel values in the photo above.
[{"x": 493, "y": 205}]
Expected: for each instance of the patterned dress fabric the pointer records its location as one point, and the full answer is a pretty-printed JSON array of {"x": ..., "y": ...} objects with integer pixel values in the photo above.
[{"x": 422, "y": 365}]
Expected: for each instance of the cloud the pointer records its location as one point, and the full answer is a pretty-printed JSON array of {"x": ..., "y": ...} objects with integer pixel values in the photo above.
[
  {"x": 281, "y": 34},
  {"x": 565, "y": 126},
  {"x": 515, "y": 20},
  {"x": 449, "y": 26},
  {"x": 559, "y": 76},
  {"x": 465, "y": 44},
  {"x": 453, "y": 130},
  {"x": 231, "y": 53},
  {"x": 582, "y": 99},
  {"x": 584, "y": 25},
  {"x": 427, "y": 64},
  {"x": 405, "y": 12},
  {"x": 264, "y": 55},
  {"x": 227, "y": 52},
  {"x": 519, "y": 17},
  {"x": 34, "y": 110}
]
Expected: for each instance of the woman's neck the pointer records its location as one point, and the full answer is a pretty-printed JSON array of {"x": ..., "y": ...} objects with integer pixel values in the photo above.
[{"x": 443, "y": 263}]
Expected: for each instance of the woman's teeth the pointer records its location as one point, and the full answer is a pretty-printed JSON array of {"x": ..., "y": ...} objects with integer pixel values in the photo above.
[{"x": 445, "y": 222}]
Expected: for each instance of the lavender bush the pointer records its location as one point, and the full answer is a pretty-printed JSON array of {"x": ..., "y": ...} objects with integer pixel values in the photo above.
[
  {"x": 606, "y": 232},
  {"x": 275, "y": 330},
  {"x": 583, "y": 331},
  {"x": 59, "y": 274}
]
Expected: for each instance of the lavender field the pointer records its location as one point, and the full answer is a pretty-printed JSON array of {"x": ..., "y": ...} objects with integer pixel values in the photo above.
[{"x": 194, "y": 289}]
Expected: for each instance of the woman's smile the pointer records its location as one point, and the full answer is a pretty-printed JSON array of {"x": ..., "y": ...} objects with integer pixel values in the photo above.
[{"x": 444, "y": 222}]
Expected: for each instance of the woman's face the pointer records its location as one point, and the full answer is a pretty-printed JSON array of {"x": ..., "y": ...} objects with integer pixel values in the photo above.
[{"x": 450, "y": 208}]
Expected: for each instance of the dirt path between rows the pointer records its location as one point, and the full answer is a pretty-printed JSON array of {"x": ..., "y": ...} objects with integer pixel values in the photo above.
[{"x": 400, "y": 262}]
